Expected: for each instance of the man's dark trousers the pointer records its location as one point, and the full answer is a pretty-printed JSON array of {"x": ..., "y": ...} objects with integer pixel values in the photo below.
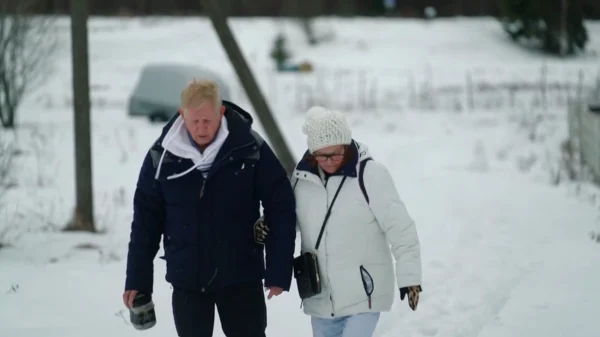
[{"x": 242, "y": 311}]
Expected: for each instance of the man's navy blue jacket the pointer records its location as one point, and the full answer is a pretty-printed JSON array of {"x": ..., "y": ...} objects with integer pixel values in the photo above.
[{"x": 207, "y": 224}]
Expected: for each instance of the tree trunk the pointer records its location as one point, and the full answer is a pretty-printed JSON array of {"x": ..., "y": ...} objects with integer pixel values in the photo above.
[
  {"x": 219, "y": 21},
  {"x": 83, "y": 217},
  {"x": 7, "y": 119},
  {"x": 347, "y": 8},
  {"x": 564, "y": 35}
]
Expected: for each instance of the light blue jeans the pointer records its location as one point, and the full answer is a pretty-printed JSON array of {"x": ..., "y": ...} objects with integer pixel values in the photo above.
[{"x": 359, "y": 325}]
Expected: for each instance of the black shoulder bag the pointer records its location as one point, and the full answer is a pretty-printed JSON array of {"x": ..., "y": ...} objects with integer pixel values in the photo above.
[{"x": 306, "y": 266}]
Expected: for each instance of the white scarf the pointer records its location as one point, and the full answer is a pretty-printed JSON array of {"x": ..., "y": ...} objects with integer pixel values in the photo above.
[{"x": 178, "y": 142}]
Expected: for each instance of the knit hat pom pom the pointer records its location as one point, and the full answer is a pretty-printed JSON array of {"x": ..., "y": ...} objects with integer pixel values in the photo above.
[{"x": 314, "y": 115}]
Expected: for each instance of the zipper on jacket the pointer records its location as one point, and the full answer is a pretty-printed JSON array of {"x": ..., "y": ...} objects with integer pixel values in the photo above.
[
  {"x": 204, "y": 181},
  {"x": 202, "y": 188},
  {"x": 202, "y": 248},
  {"x": 332, "y": 306},
  {"x": 210, "y": 281},
  {"x": 327, "y": 257},
  {"x": 213, "y": 277},
  {"x": 330, "y": 289}
]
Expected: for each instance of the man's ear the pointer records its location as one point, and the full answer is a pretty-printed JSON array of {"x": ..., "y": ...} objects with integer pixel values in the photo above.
[
  {"x": 180, "y": 110},
  {"x": 222, "y": 110}
]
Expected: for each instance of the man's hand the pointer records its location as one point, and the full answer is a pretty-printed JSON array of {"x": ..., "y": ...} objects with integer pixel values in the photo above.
[
  {"x": 128, "y": 297},
  {"x": 274, "y": 291},
  {"x": 413, "y": 296}
]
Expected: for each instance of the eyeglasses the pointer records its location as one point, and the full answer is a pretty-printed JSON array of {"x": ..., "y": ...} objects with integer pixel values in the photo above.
[{"x": 333, "y": 156}]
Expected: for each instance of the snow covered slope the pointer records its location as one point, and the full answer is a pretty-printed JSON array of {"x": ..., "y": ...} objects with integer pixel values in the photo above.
[{"x": 505, "y": 251}]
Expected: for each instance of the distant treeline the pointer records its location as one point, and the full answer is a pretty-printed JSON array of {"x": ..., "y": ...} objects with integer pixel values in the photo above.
[{"x": 404, "y": 8}]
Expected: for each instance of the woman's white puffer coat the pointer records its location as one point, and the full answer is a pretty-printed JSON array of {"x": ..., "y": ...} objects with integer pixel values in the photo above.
[{"x": 357, "y": 239}]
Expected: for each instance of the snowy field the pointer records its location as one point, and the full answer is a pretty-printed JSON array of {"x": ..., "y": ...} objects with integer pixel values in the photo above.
[{"x": 469, "y": 124}]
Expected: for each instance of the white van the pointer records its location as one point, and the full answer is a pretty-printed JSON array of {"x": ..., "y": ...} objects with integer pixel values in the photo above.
[{"x": 157, "y": 92}]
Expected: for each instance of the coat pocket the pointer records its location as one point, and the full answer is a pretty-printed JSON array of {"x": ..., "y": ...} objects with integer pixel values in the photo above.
[{"x": 368, "y": 283}]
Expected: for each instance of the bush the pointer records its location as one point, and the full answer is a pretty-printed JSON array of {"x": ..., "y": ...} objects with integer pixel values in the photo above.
[{"x": 540, "y": 22}]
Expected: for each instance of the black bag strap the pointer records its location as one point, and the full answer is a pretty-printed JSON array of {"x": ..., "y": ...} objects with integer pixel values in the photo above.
[
  {"x": 329, "y": 213},
  {"x": 361, "y": 181}
]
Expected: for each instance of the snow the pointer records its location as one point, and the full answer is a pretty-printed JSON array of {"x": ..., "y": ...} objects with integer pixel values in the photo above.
[{"x": 506, "y": 252}]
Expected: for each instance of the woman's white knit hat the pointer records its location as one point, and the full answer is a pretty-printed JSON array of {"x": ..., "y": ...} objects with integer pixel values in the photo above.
[{"x": 324, "y": 127}]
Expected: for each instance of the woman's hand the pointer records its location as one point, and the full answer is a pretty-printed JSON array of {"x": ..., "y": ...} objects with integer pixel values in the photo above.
[
  {"x": 261, "y": 230},
  {"x": 413, "y": 295}
]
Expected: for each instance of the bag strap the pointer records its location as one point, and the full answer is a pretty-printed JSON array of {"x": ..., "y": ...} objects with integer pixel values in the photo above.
[
  {"x": 361, "y": 181},
  {"x": 329, "y": 213}
]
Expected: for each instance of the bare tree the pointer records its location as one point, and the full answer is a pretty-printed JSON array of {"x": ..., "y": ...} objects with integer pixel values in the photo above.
[
  {"x": 307, "y": 11},
  {"x": 83, "y": 216},
  {"x": 27, "y": 47},
  {"x": 6, "y": 157}
]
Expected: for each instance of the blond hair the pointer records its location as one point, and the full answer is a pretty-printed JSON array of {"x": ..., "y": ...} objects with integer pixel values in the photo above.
[{"x": 199, "y": 92}]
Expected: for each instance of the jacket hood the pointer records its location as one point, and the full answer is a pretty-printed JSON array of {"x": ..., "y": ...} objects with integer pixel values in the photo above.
[
  {"x": 350, "y": 169},
  {"x": 245, "y": 115},
  {"x": 230, "y": 108},
  {"x": 238, "y": 120}
]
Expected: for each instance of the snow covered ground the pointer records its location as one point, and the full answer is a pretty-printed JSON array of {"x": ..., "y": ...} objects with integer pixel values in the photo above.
[{"x": 506, "y": 252}]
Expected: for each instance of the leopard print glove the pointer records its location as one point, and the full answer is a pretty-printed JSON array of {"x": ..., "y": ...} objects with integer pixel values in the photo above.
[
  {"x": 261, "y": 230},
  {"x": 413, "y": 295}
]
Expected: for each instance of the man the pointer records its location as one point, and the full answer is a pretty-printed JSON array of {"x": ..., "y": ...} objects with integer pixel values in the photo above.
[{"x": 200, "y": 188}]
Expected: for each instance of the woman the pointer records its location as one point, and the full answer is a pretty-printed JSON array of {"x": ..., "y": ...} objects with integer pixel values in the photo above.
[{"x": 367, "y": 224}]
